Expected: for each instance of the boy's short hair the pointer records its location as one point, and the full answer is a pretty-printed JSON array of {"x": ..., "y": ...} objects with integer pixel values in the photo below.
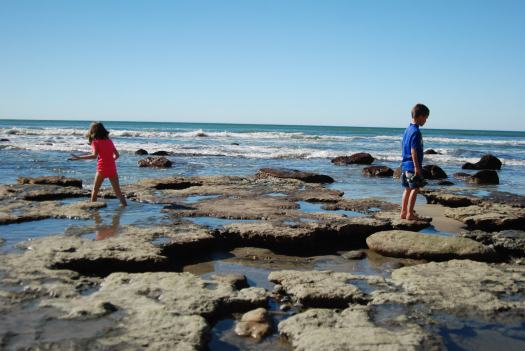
[{"x": 420, "y": 110}]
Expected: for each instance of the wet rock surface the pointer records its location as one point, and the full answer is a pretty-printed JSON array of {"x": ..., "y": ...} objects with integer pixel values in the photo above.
[
  {"x": 254, "y": 323},
  {"x": 398, "y": 243},
  {"x": 51, "y": 180},
  {"x": 286, "y": 173},
  {"x": 484, "y": 177},
  {"x": 377, "y": 171},
  {"x": 352, "y": 329},
  {"x": 360, "y": 158},
  {"x": 507, "y": 243}
]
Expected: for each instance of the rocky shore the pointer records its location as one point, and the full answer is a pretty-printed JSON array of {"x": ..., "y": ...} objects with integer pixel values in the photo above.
[{"x": 131, "y": 290}]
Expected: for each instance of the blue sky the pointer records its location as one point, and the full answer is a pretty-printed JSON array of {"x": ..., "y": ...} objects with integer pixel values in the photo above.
[{"x": 355, "y": 63}]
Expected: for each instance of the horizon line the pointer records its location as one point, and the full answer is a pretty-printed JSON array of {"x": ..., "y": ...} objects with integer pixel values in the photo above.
[{"x": 255, "y": 124}]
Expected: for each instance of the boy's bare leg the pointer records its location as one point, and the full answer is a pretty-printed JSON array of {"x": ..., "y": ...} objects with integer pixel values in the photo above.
[
  {"x": 96, "y": 186},
  {"x": 116, "y": 188},
  {"x": 404, "y": 203},
  {"x": 411, "y": 204}
]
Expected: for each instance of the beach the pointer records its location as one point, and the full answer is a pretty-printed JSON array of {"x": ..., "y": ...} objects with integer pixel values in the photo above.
[{"x": 252, "y": 216}]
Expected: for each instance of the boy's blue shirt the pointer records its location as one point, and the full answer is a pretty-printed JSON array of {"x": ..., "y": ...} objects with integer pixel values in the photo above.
[{"x": 412, "y": 139}]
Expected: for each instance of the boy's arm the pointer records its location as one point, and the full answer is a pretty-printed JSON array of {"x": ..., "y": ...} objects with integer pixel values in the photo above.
[{"x": 415, "y": 159}]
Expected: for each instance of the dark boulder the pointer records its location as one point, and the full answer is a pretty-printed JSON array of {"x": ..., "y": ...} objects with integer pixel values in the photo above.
[
  {"x": 160, "y": 153},
  {"x": 51, "y": 180},
  {"x": 484, "y": 177},
  {"x": 294, "y": 174},
  {"x": 433, "y": 172},
  {"x": 431, "y": 152},
  {"x": 360, "y": 158},
  {"x": 378, "y": 171},
  {"x": 4, "y": 139},
  {"x": 141, "y": 152},
  {"x": 157, "y": 162},
  {"x": 486, "y": 162}
]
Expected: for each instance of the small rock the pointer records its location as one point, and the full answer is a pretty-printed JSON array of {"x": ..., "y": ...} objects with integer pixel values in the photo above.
[
  {"x": 141, "y": 152},
  {"x": 431, "y": 152},
  {"x": 445, "y": 183},
  {"x": 158, "y": 162},
  {"x": 160, "y": 153},
  {"x": 4, "y": 139},
  {"x": 278, "y": 289},
  {"x": 360, "y": 158},
  {"x": 378, "y": 171},
  {"x": 433, "y": 172},
  {"x": 354, "y": 255},
  {"x": 461, "y": 175},
  {"x": 235, "y": 144},
  {"x": 285, "y": 307},
  {"x": 254, "y": 323}
]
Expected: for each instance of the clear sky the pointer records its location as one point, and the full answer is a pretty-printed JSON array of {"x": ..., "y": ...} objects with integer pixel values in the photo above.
[{"x": 356, "y": 63}]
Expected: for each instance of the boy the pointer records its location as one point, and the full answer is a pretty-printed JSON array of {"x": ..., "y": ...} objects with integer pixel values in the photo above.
[{"x": 411, "y": 166}]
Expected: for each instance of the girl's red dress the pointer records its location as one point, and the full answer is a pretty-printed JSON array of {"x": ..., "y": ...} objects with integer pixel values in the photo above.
[{"x": 106, "y": 161}]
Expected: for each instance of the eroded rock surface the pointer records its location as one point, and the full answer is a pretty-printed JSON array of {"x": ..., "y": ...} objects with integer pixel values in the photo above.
[
  {"x": 51, "y": 180},
  {"x": 462, "y": 287},
  {"x": 506, "y": 243},
  {"x": 489, "y": 216},
  {"x": 325, "y": 288},
  {"x": 398, "y": 243},
  {"x": 352, "y": 329}
]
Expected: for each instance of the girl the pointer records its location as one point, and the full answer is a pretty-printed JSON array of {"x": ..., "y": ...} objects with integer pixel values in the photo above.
[{"x": 105, "y": 151}]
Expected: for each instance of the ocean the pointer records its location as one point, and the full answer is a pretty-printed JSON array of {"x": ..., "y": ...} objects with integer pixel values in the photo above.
[{"x": 39, "y": 148}]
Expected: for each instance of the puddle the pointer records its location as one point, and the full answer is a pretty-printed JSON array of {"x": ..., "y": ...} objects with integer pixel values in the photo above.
[
  {"x": 459, "y": 335},
  {"x": 161, "y": 241},
  {"x": 215, "y": 222},
  {"x": 310, "y": 207},
  {"x": 363, "y": 285},
  {"x": 277, "y": 194},
  {"x": 433, "y": 231},
  {"x": 196, "y": 198}
]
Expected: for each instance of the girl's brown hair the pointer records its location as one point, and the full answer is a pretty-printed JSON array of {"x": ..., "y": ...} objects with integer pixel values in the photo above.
[{"x": 97, "y": 131}]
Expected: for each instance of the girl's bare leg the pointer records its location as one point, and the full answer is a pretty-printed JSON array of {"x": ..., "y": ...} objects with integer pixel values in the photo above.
[
  {"x": 96, "y": 186},
  {"x": 116, "y": 188}
]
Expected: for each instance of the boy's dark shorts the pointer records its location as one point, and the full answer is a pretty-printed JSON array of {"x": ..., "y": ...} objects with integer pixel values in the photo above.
[{"x": 409, "y": 180}]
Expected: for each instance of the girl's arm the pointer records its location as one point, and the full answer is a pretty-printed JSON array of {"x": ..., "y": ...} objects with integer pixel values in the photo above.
[
  {"x": 83, "y": 157},
  {"x": 116, "y": 155}
]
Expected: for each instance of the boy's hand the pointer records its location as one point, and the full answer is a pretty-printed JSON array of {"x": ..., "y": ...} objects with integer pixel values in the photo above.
[{"x": 419, "y": 172}]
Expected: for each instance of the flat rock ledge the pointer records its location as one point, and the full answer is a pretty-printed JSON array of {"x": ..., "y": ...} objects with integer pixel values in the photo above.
[
  {"x": 325, "y": 288},
  {"x": 306, "y": 177},
  {"x": 399, "y": 243},
  {"x": 51, "y": 180},
  {"x": 506, "y": 243},
  {"x": 493, "y": 292},
  {"x": 489, "y": 216},
  {"x": 352, "y": 329}
]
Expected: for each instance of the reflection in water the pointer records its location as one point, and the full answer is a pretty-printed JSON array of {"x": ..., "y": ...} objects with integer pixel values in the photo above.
[{"x": 104, "y": 231}]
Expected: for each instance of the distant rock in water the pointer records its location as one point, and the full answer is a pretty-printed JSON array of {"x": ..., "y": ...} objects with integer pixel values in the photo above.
[
  {"x": 431, "y": 152},
  {"x": 156, "y": 162},
  {"x": 306, "y": 177},
  {"x": 433, "y": 172},
  {"x": 484, "y": 177},
  {"x": 201, "y": 135},
  {"x": 236, "y": 144},
  {"x": 51, "y": 180},
  {"x": 4, "y": 139},
  {"x": 141, "y": 152},
  {"x": 486, "y": 162},
  {"x": 160, "y": 153},
  {"x": 360, "y": 158},
  {"x": 378, "y": 171}
]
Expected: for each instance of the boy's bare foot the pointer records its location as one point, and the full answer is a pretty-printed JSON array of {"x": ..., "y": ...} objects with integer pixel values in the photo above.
[
  {"x": 414, "y": 217},
  {"x": 403, "y": 215}
]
